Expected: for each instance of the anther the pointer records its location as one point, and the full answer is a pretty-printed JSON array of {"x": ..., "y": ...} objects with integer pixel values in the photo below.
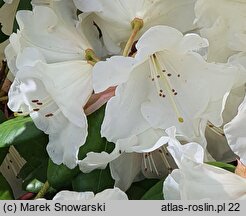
[
  {"x": 120, "y": 151},
  {"x": 49, "y": 115},
  {"x": 35, "y": 110},
  {"x": 181, "y": 120},
  {"x": 39, "y": 103},
  {"x": 175, "y": 93},
  {"x": 158, "y": 76},
  {"x": 169, "y": 74},
  {"x": 35, "y": 101}
]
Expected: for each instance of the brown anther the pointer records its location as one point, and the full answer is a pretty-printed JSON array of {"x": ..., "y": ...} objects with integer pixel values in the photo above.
[
  {"x": 36, "y": 110},
  {"x": 169, "y": 74},
  {"x": 161, "y": 90},
  {"x": 120, "y": 151},
  {"x": 158, "y": 76},
  {"x": 175, "y": 93},
  {"x": 160, "y": 151},
  {"x": 39, "y": 103},
  {"x": 35, "y": 101},
  {"x": 49, "y": 115},
  {"x": 153, "y": 79},
  {"x": 163, "y": 71},
  {"x": 178, "y": 75},
  {"x": 173, "y": 90}
]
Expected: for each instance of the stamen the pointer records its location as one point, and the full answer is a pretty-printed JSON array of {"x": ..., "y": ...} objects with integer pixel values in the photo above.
[
  {"x": 155, "y": 67},
  {"x": 150, "y": 166},
  {"x": 163, "y": 152},
  {"x": 153, "y": 162},
  {"x": 35, "y": 101},
  {"x": 216, "y": 130},
  {"x": 145, "y": 163}
]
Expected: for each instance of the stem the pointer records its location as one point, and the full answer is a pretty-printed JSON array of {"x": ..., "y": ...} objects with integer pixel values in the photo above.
[
  {"x": 91, "y": 57},
  {"x": 43, "y": 190},
  {"x": 137, "y": 25}
]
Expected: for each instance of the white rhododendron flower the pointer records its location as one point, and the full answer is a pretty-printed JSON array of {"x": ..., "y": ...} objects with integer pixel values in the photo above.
[
  {"x": 108, "y": 194},
  {"x": 195, "y": 180},
  {"x": 222, "y": 23},
  {"x": 53, "y": 30},
  {"x": 166, "y": 84},
  {"x": 116, "y": 18},
  {"x": 42, "y": 90}
]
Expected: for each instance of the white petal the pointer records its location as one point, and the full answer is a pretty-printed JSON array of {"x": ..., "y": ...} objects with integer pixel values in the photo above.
[
  {"x": 63, "y": 147},
  {"x": 149, "y": 141},
  {"x": 100, "y": 160},
  {"x": 114, "y": 71},
  {"x": 125, "y": 169},
  {"x": 42, "y": 25},
  {"x": 207, "y": 182},
  {"x": 171, "y": 186},
  {"x": 88, "y": 5},
  {"x": 111, "y": 194},
  {"x": 108, "y": 194},
  {"x": 97, "y": 161},
  {"x": 192, "y": 42},
  {"x": 235, "y": 133},
  {"x": 149, "y": 43},
  {"x": 72, "y": 195},
  {"x": 122, "y": 117},
  {"x": 117, "y": 29},
  {"x": 75, "y": 79}
]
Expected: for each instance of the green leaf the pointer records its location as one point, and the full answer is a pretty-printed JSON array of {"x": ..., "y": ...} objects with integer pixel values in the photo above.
[
  {"x": 94, "y": 141},
  {"x": 1, "y": 3},
  {"x": 222, "y": 165},
  {"x": 96, "y": 181},
  {"x": 60, "y": 176},
  {"x": 5, "y": 189},
  {"x": 2, "y": 117},
  {"x": 138, "y": 189},
  {"x": 3, "y": 37},
  {"x": 154, "y": 193},
  {"x": 29, "y": 173},
  {"x": 18, "y": 131},
  {"x": 3, "y": 153}
]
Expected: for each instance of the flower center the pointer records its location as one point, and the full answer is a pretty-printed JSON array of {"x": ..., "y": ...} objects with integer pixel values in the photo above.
[
  {"x": 162, "y": 80},
  {"x": 152, "y": 161}
]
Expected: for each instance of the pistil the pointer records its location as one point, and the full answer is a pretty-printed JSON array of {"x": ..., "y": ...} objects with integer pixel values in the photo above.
[{"x": 137, "y": 25}]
